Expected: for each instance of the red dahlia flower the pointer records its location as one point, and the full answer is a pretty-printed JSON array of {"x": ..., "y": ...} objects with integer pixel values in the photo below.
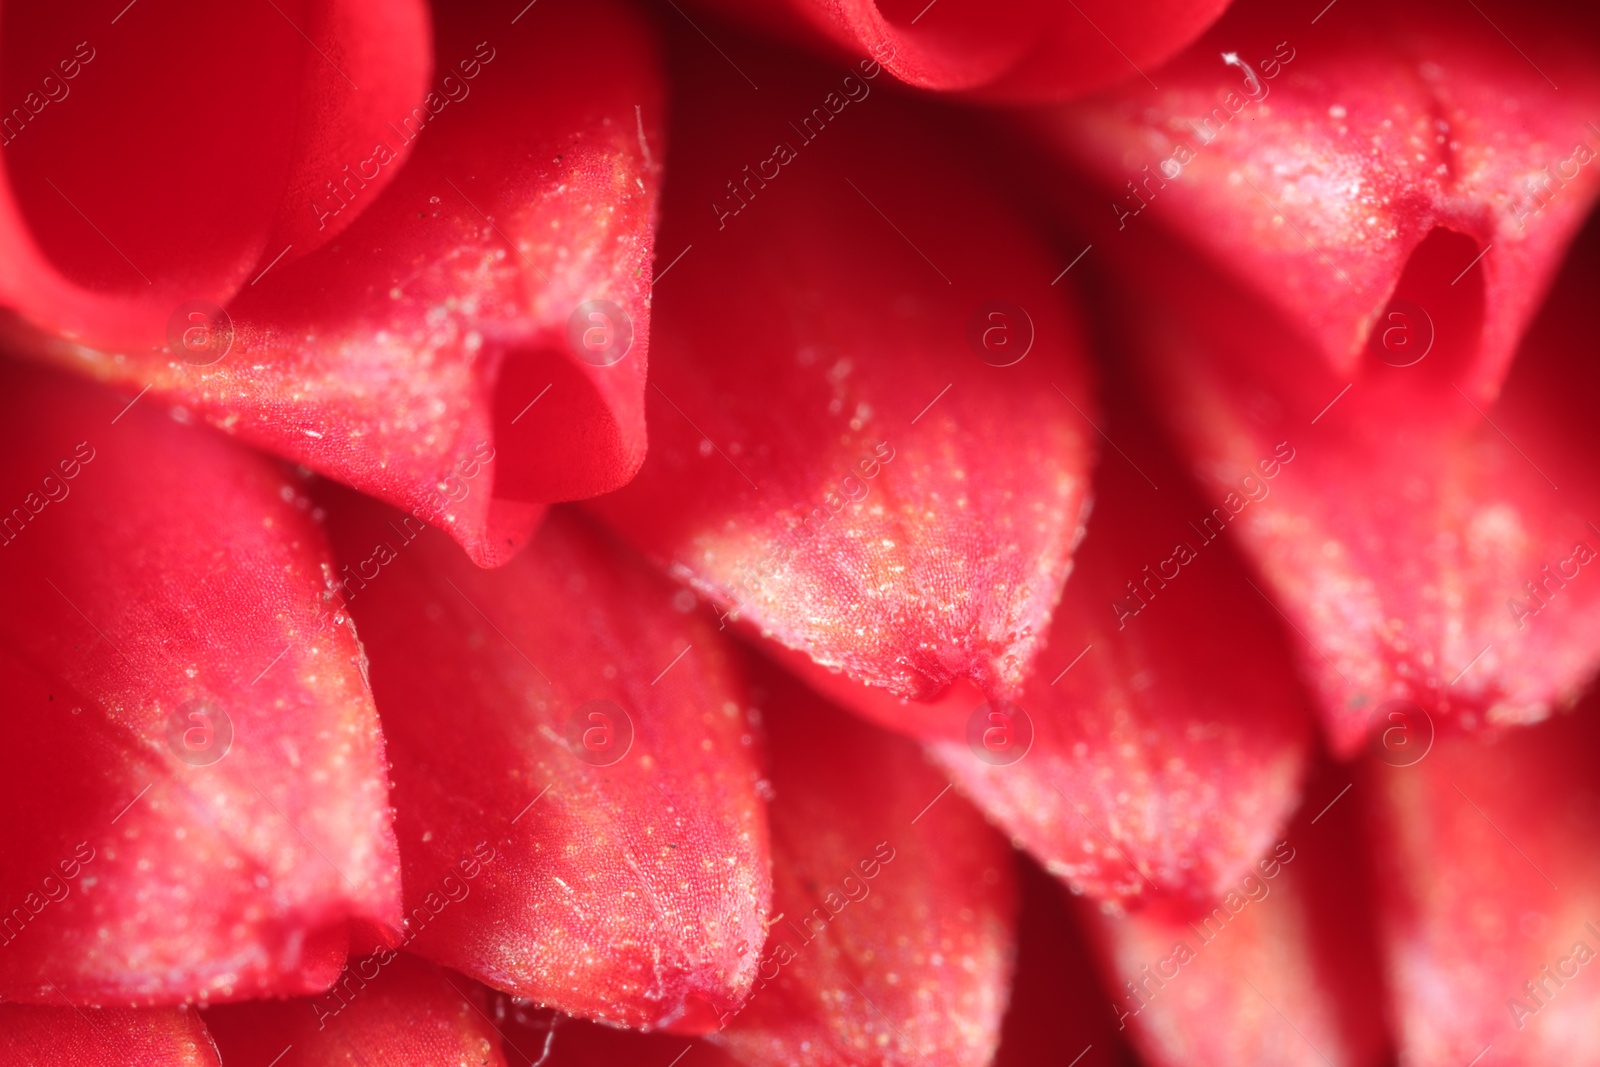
[{"x": 1107, "y": 579}]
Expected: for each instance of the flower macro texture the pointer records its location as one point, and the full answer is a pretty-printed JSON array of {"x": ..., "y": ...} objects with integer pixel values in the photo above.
[{"x": 865, "y": 533}]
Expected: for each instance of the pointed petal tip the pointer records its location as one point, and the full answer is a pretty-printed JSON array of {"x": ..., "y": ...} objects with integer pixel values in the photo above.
[
  {"x": 1315, "y": 171},
  {"x": 234, "y": 814},
  {"x": 907, "y": 514},
  {"x": 410, "y": 356},
  {"x": 594, "y": 708}
]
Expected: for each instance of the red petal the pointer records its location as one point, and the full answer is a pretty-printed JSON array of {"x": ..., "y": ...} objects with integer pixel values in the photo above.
[
  {"x": 968, "y": 480},
  {"x": 894, "y": 942},
  {"x": 1475, "y": 840},
  {"x": 110, "y": 1037},
  {"x": 156, "y": 98},
  {"x": 394, "y": 1009},
  {"x": 375, "y": 71},
  {"x": 1005, "y": 50},
  {"x": 1160, "y": 742},
  {"x": 1414, "y": 539},
  {"x": 406, "y": 355},
  {"x": 631, "y": 891},
  {"x": 1281, "y": 969},
  {"x": 1314, "y": 168},
  {"x": 164, "y": 592}
]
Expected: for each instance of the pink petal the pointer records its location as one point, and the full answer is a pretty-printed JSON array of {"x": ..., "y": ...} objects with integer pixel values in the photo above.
[
  {"x": 1417, "y": 541},
  {"x": 1010, "y": 50},
  {"x": 831, "y": 463},
  {"x": 895, "y": 940},
  {"x": 1280, "y": 969},
  {"x": 1490, "y": 894},
  {"x": 215, "y": 124},
  {"x": 575, "y": 783},
  {"x": 104, "y": 1037},
  {"x": 408, "y": 354},
  {"x": 393, "y": 1009},
  {"x": 1160, "y": 743},
  {"x": 195, "y": 776},
  {"x": 1315, "y": 168}
]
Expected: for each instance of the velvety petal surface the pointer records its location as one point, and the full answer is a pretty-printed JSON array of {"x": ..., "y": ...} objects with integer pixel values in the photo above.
[
  {"x": 1280, "y": 969},
  {"x": 391, "y": 1010},
  {"x": 1425, "y": 548},
  {"x": 575, "y": 783},
  {"x": 837, "y": 461},
  {"x": 283, "y": 94},
  {"x": 1314, "y": 163},
  {"x": 1395, "y": 215},
  {"x": 108, "y": 1037},
  {"x": 418, "y": 346},
  {"x": 1010, "y": 50},
  {"x": 1159, "y": 744},
  {"x": 194, "y": 776},
  {"x": 893, "y": 938},
  {"x": 1490, "y": 893}
]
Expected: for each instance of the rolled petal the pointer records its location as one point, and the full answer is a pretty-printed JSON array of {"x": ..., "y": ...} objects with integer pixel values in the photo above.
[
  {"x": 575, "y": 784},
  {"x": 194, "y": 773},
  {"x": 1490, "y": 894},
  {"x": 1315, "y": 166},
  {"x": 1011, "y": 50},
  {"x": 104, "y": 1037},
  {"x": 1160, "y": 743},
  {"x": 1280, "y": 969},
  {"x": 837, "y": 460},
  {"x": 1429, "y": 551},
  {"x": 403, "y": 1012},
  {"x": 895, "y": 933},
  {"x": 377, "y": 69},
  {"x": 509, "y": 255},
  {"x": 284, "y": 93}
]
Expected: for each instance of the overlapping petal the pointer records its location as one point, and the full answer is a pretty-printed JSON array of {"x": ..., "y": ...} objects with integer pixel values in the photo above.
[
  {"x": 194, "y": 777},
  {"x": 1151, "y": 749},
  {"x": 1314, "y": 240},
  {"x": 1011, "y": 50},
  {"x": 1313, "y": 163},
  {"x": 1280, "y": 969},
  {"x": 838, "y": 458},
  {"x": 575, "y": 783},
  {"x": 1490, "y": 893},
  {"x": 1420, "y": 530},
  {"x": 1420, "y": 559},
  {"x": 396, "y": 1011},
  {"x": 109, "y": 1037},
  {"x": 410, "y": 356},
  {"x": 893, "y": 938},
  {"x": 219, "y": 124}
]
